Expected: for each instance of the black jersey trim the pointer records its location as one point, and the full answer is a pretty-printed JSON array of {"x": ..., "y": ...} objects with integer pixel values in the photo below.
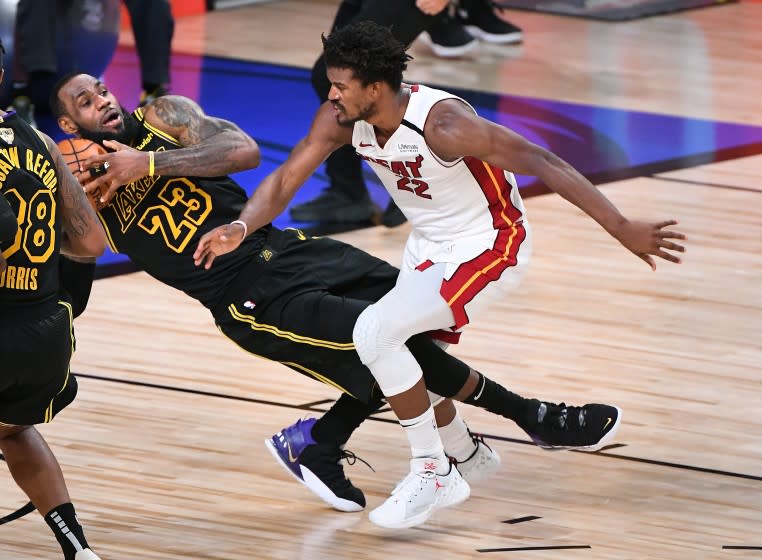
[{"x": 411, "y": 126}]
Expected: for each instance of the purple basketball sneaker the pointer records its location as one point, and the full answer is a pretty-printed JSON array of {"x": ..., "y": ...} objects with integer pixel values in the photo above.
[{"x": 316, "y": 465}]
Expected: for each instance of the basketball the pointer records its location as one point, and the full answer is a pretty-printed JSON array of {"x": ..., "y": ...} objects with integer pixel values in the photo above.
[{"x": 74, "y": 152}]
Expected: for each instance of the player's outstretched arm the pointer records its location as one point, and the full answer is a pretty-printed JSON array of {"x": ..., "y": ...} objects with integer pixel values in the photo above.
[
  {"x": 454, "y": 131},
  {"x": 274, "y": 193},
  {"x": 212, "y": 147}
]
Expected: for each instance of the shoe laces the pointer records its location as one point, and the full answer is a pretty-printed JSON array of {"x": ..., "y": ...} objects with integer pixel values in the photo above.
[
  {"x": 351, "y": 458},
  {"x": 477, "y": 439},
  {"x": 412, "y": 484}
]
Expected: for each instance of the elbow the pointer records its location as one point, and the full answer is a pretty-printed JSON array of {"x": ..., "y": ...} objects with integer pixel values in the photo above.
[
  {"x": 247, "y": 156},
  {"x": 93, "y": 245},
  {"x": 253, "y": 155},
  {"x": 253, "y": 160},
  {"x": 93, "y": 249},
  {"x": 99, "y": 249}
]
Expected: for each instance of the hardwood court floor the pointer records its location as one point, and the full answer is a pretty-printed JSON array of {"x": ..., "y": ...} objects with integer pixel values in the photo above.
[{"x": 163, "y": 448}]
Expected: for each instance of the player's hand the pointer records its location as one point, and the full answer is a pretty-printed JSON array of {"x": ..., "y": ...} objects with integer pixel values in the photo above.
[
  {"x": 120, "y": 167},
  {"x": 647, "y": 240},
  {"x": 431, "y": 7},
  {"x": 220, "y": 240}
]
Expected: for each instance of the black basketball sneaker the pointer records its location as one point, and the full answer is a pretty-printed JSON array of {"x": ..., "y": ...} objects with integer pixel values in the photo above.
[
  {"x": 317, "y": 465},
  {"x": 585, "y": 428}
]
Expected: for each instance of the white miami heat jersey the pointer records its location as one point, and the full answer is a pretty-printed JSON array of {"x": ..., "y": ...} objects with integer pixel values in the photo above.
[{"x": 442, "y": 200}]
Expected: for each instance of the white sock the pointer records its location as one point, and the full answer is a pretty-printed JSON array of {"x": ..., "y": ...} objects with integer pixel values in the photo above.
[
  {"x": 456, "y": 439},
  {"x": 424, "y": 438}
]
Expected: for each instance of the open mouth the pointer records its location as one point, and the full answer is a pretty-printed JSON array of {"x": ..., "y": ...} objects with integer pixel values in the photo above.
[{"x": 112, "y": 119}]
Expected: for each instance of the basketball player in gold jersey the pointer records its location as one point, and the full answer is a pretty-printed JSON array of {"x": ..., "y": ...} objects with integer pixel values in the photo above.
[{"x": 43, "y": 213}]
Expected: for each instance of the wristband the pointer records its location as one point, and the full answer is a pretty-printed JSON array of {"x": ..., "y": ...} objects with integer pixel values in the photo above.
[
  {"x": 150, "y": 164},
  {"x": 245, "y": 227}
]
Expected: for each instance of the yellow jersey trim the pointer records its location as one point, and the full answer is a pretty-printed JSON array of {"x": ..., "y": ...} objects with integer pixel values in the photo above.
[
  {"x": 238, "y": 316},
  {"x": 499, "y": 193},
  {"x": 308, "y": 371},
  {"x": 109, "y": 240},
  {"x": 162, "y": 134},
  {"x": 49, "y": 409}
]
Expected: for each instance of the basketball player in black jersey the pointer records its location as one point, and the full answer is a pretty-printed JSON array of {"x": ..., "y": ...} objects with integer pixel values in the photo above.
[
  {"x": 280, "y": 295},
  {"x": 43, "y": 213}
]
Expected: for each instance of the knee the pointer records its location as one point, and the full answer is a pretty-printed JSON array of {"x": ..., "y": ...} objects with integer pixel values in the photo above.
[
  {"x": 365, "y": 335},
  {"x": 373, "y": 335}
]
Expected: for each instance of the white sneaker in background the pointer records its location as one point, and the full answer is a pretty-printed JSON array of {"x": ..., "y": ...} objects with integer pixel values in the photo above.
[{"x": 482, "y": 464}]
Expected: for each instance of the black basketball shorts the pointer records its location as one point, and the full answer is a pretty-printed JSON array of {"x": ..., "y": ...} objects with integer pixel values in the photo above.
[
  {"x": 35, "y": 383},
  {"x": 297, "y": 302}
]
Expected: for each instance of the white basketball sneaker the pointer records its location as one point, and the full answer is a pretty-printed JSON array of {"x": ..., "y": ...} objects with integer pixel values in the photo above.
[
  {"x": 482, "y": 464},
  {"x": 419, "y": 494},
  {"x": 86, "y": 554}
]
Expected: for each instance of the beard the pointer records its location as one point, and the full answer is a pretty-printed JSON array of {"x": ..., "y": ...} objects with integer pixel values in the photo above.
[
  {"x": 363, "y": 115},
  {"x": 126, "y": 135}
]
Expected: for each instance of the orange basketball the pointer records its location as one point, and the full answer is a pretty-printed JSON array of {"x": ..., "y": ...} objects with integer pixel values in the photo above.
[{"x": 74, "y": 152}]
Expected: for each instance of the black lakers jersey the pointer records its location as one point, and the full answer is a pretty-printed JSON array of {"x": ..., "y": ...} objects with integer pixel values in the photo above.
[
  {"x": 29, "y": 182},
  {"x": 158, "y": 221}
]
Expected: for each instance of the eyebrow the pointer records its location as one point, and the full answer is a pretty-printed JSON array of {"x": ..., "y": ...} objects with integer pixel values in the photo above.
[{"x": 84, "y": 91}]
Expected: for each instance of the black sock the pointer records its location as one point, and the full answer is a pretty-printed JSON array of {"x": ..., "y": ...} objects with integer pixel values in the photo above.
[
  {"x": 343, "y": 418},
  {"x": 495, "y": 398},
  {"x": 63, "y": 522},
  {"x": 149, "y": 87}
]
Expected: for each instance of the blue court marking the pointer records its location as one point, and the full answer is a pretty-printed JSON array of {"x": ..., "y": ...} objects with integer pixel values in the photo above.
[{"x": 275, "y": 104}]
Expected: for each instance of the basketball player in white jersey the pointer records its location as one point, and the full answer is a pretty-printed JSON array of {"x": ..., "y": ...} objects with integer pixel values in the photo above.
[{"x": 446, "y": 168}]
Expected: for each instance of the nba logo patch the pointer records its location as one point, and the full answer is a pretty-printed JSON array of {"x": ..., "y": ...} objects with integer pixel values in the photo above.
[{"x": 7, "y": 135}]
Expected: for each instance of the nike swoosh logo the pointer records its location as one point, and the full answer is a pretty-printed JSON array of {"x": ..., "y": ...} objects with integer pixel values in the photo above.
[
  {"x": 363, "y": 145},
  {"x": 293, "y": 459},
  {"x": 606, "y": 425}
]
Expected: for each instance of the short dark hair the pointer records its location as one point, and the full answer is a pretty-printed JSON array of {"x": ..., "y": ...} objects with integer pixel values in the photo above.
[
  {"x": 56, "y": 105},
  {"x": 369, "y": 50}
]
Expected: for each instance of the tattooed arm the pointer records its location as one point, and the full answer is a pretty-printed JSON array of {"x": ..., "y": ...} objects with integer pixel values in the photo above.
[
  {"x": 83, "y": 233},
  {"x": 211, "y": 147}
]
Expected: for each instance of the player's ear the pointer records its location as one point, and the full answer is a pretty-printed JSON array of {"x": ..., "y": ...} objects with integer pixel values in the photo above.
[
  {"x": 375, "y": 88},
  {"x": 67, "y": 125}
]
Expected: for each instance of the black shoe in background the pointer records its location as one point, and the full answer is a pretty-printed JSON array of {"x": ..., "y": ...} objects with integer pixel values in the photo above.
[
  {"x": 147, "y": 97},
  {"x": 333, "y": 206},
  {"x": 392, "y": 216},
  {"x": 24, "y": 109},
  {"x": 448, "y": 38},
  {"x": 482, "y": 22}
]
